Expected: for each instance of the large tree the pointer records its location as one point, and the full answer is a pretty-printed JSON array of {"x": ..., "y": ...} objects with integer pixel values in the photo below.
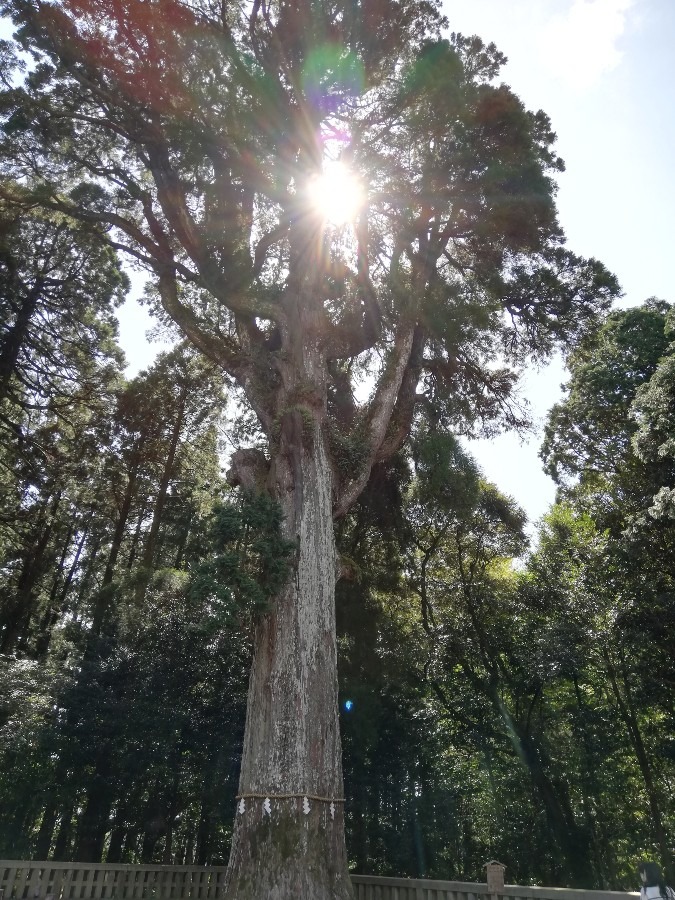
[{"x": 194, "y": 136}]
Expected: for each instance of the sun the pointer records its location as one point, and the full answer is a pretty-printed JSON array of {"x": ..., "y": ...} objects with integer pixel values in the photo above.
[{"x": 336, "y": 194}]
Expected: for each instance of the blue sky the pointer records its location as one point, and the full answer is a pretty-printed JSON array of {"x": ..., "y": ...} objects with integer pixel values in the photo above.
[{"x": 604, "y": 72}]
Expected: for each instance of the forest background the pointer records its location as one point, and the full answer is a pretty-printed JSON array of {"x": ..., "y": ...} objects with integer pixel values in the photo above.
[{"x": 524, "y": 714}]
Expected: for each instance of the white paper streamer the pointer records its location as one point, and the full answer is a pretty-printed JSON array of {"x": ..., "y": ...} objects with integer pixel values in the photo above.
[
  {"x": 242, "y": 805},
  {"x": 267, "y": 806},
  {"x": 305, "y": 805}
]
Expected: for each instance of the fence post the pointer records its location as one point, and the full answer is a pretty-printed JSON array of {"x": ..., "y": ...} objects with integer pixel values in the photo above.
[{"x": 495, "y": 879}]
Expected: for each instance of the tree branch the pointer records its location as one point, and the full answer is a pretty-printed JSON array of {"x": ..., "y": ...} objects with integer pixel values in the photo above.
[
  {"x": 404, "y": 411},
  {"x": 220, "y": 349},
  {"x": 380, "y": 412}
]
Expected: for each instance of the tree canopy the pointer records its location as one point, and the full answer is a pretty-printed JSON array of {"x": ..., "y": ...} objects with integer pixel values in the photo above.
[
  {"x": 204, "y": 174},
  {"x": 190, "y": 137}
]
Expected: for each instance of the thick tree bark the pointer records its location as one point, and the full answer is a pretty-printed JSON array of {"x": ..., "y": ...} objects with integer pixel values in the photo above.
[{"x": 289, "y": 849}]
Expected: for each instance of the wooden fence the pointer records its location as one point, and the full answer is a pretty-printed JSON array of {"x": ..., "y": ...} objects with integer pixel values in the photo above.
[
  {"x": 101, "y": 881},
  {"x": 368, "y": 887}
]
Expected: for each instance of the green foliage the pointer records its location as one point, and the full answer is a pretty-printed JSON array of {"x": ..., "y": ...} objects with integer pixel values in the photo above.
[
  {"x": 590, "y": 432},
  {"x": 348, "y": 449},
  {"x": 611, "y": 434},
  {"x": 446, "y": 475},
  {"x": 187, "y": 139},
  {"x": 495, "y": 709},
  {"x": 463, "y": 238},
  {"x": 250, "y": 561}
]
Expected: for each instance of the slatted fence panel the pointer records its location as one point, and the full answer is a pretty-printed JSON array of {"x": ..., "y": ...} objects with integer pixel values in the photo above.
[
  {"x": 28, "y": 880},
  {"x": 21, "y": 880},
  {"x": 369, "y": 887}
]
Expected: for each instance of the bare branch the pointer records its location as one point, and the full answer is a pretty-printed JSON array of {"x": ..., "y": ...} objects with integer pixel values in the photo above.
[
  {"x": 404, "y": 411},
  {"x": 265, "y": 242},
  {"x": 380, "y": 411}
]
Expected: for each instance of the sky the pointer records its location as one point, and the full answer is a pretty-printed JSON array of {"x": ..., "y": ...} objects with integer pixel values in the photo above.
[{"x": 604, "y": 72}]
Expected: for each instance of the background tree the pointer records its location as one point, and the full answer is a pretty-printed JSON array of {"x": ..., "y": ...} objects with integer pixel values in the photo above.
[
  {"x": 611, "y": 432},
  {"x": 465, "y": 534},
  {"x": 59, "y": 363}
]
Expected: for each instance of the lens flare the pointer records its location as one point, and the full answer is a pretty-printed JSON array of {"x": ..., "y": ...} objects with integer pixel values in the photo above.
[{"x": 336, "y": 194}]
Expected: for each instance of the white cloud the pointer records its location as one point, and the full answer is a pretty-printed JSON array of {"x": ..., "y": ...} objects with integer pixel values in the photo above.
[{"x": 582, "y": 45}]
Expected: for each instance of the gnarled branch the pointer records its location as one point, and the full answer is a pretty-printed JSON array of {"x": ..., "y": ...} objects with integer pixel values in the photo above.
[{"x": 380, "y": 411}]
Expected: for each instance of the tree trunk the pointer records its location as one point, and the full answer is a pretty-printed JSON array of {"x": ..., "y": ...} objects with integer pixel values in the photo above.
[
  {"x": 117, "y": 835},
  {"x": 49, "y": 616},
  {"x": 182, "y": 543},
  {"x": 102, "y": 598},
  {"x": 204, "y": 829},
  {"x": 56, "y": 606},
  {"x": 572, "y": 840},
  {"x": 167, "y": 854},
  {"x": 44, "y": 839},
  {"x": 136, "y": 538},
  {"x": 15, "y": 337},
  {"x": 64, "y": 836},
  {"x": 417, "y": 838},
  {"x": 280, "y": 851},
  {"x": 624, "y": 703},
  {"x": 89, "y": 571},
  {"x": 588, "y": 780},
  {"x": 150, "y": 544},
  {"x": 94, "y": 821},
  {"x": 17, "y": 617},
  {"x": 189, "y": 857},
  {"x": 359, "y": 833}
]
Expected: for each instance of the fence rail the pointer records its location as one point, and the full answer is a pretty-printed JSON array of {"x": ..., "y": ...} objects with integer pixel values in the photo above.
[
  {"x": 369, "y": 887},
  {"x": 23, "y": 880}
]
